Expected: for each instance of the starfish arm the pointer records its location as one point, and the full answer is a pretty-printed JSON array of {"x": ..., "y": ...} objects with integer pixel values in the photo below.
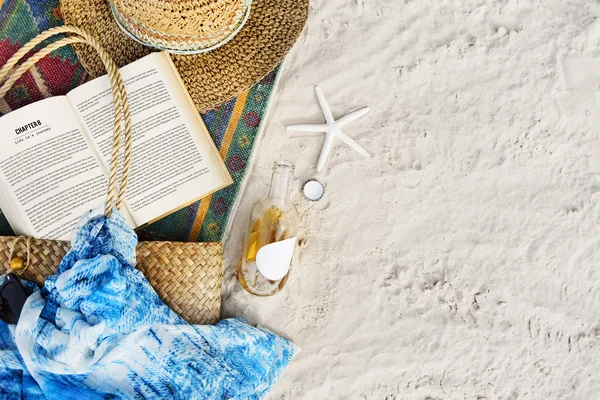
[
  {"x": 353, "y": 116},
  {"x": 308, "y": 128},
  {"x": 324, "y": 106},
  {"x": 352, "y": 143},
  {"x": 325, "y": 150}
]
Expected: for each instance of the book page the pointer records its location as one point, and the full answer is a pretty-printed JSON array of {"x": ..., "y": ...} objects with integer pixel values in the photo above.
[
  {"x": 174, "y": 161},
  {"x": 49, "y": 174}
]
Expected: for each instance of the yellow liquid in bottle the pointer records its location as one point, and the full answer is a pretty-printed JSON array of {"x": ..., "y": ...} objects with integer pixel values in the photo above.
[{"x": 268, "y": 228}]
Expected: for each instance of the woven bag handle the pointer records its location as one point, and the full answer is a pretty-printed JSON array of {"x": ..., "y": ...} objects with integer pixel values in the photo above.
[{"x": 121, "y": 105}]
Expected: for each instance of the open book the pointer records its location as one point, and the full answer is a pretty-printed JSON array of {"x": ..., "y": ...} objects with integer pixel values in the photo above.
[{"x": 55, "y": 153}]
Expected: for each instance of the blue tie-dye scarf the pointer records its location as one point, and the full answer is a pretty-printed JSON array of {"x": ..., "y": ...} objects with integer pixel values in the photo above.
[{"x": 97, "y": 330}]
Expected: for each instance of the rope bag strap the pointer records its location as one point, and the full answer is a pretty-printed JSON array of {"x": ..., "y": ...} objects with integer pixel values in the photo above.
[{"x": 121, "y": 105}]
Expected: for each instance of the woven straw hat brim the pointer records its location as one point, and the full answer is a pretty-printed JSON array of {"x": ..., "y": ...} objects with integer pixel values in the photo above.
[{"x": 211, "y": 78}]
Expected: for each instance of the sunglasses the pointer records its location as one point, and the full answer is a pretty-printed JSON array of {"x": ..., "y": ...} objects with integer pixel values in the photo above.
[{"x": 12, "y": 299}]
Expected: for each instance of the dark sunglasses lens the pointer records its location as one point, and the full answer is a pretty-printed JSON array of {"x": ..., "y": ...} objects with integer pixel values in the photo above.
[
  {"x": 8, "y": 316},
  {"x": 13, "y": 299}
]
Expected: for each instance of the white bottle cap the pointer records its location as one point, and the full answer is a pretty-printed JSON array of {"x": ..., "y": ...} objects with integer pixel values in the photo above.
[{"x": 313, "y": 190}]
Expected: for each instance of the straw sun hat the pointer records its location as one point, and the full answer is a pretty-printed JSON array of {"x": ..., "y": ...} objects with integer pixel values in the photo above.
[{"x": 237, "y": 42}]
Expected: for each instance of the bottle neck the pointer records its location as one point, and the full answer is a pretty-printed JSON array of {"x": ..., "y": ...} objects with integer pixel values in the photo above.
[{"x": 281, "y": 180}]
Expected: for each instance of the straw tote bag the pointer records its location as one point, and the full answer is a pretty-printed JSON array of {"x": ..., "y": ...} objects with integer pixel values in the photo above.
[{"x": 186, "y": 276}]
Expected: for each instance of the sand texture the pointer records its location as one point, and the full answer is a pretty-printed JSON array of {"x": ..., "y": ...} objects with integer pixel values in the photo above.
[{"x": 462, "y": 261}]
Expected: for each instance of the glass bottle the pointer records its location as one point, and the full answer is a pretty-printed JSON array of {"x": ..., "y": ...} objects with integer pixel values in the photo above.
[{"x": 270, "y": 241}]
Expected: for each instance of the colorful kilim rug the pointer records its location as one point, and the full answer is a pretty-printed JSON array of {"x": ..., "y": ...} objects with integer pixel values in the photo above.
[{"x": 234, "y": 126}]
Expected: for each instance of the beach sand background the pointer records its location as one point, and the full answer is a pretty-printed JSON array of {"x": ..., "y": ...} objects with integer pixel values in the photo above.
[{"x": 462, "y": 261}]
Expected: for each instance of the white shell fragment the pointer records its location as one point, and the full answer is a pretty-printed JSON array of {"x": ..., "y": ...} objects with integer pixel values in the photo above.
[{"x": 313, "y": 190}]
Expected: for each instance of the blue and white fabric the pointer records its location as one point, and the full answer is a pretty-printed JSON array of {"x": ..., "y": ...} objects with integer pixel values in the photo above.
[{"x": 97, "y": 330}]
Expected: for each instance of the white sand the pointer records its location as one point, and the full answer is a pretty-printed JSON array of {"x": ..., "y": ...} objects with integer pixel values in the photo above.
[{"x": 463, "y": 260}]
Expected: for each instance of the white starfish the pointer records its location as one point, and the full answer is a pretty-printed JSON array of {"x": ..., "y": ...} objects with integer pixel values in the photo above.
[{"x": 332, "y": 129}]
